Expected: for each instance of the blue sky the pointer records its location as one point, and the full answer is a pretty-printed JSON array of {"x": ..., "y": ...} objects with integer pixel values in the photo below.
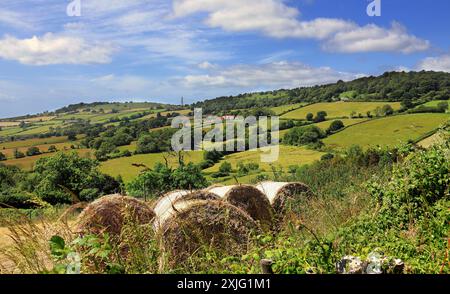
[{"x": 160, "y": 50}]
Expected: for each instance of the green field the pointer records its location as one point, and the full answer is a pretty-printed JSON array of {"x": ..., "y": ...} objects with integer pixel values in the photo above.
[
  {"x": 27, "y": 163},
  {"x": 285, "y": 108},
  {"x": 338, "y": 109},
  {"x": 326, "y": 124},
  {"x": 43, "y": 148},
  {"x": 388, "y": 131},
  {"x": 435, "y": 103},
  {"x": 33, "y": 142},
  {"x": 124, "y": 166},
  {"x": 289, "y": 155},
  {"x": 131, "y": 147}
]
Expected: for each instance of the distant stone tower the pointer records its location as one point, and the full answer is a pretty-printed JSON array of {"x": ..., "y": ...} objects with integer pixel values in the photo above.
[{"x": 182, "y": 101}]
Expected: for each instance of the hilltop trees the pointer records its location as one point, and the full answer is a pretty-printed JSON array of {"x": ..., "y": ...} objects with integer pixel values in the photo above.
[{"x": 391, "y": 86}]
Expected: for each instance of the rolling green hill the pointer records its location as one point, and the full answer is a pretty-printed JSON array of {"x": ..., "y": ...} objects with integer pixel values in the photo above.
[{"x": 388, "y": 131}]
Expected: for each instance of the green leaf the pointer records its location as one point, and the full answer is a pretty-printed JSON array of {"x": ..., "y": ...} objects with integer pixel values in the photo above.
[{"x": 57, "y": 246}]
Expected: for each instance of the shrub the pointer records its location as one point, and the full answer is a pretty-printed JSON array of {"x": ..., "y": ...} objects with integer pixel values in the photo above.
[
  {"x": 52, "y": 149},
  {"x": 335, "y": 126},
  {"x": 32, "y": 151},
  {"x": 225, "y": 167},
  {"x": 327, "y": 156},
  {"x": 3, "y": 157},
  {"x": 18, "y": 154},
  {"x": 303, "y": 135}
]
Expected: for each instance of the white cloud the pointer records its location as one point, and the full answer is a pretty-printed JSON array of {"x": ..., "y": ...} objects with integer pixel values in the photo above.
[
  {"x": 272, "y": 17},
  {"x": 268, "y": 76},
  {"x": 275, "y": 19},
  {"x": 374, "y": 38},
  {"x": 124, "y": 84},
  {"x": 206, "y": 65},
  {"x": 440, "y": 63},
  {"x": 14, "y": 19},
  {"x": 52, "y": 49}
]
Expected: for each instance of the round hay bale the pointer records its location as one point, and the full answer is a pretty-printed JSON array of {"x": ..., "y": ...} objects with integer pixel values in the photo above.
[
  {"x": 107, "y": 215},
  {"x": 201, "y": 224},
  {"x": 166, "y": 201},
  {"x": 164, "y": 208},
  {"x": 279, "y": 193},
  {"x": 199, "y": 195},
  {"x": 251, "y": 200}
]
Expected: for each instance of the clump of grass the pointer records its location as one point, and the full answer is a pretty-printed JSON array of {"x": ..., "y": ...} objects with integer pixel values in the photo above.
[{"x": 29, "y": 251}]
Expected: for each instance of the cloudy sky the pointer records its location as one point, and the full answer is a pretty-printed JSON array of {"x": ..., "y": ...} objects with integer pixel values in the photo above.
[{"x": 160, "y": 50}]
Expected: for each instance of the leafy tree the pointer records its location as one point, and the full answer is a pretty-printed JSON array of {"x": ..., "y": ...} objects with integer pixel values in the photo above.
[
  {"x": 63, "y": 174},
  {"x": 310, "y": 117},
  {"x": 71, "y": 135},
  {"x": 335, "y": 126},
  {"x": 105, "y": 149},
  {"x": 155, "y": 141},
  {"x": 52, "y": 149},
  {"x": 32, "y": 151},
  {"x": 442, "y": 106},
  {"x": 407, "y": 104},
  {"x": 304, "y": 135},
  {"x": 18, "y": 154},
  {"x": 320, "y": 117},
  {"x": 3, "y": 157},
  {"x": 387, "y": 110},
  {"x": 214, "y": 156},
  {"x": 162, "y": 179},
  {"x": 121, "y": 138},
  {"x": 225, "y": 167}
]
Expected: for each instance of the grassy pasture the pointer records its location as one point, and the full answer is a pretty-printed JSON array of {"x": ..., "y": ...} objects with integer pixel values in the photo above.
[
  {"x": 430, "y": 141},
  {"x": 27, "y": 163},
  {"x": 389, "y": 131},
  {"x": 165, "y": 113},
  {"x": 120, "y": 106},
  {"x": 338, "y": 109},
  {"x": 124, "y": 166},
  {"x": 33, "y": 142},
  {"x": 289, "y": 155},
  {"x": 326, "y": 124},
  {"x": 285, "y": 108},
  {"x": 132, "y": 147},
  {"x": 270, "y": 95},
  {"x": 435, "y": 103},
  {"x": 4, "y": 124},
  {"x": 43, "y": 148}
]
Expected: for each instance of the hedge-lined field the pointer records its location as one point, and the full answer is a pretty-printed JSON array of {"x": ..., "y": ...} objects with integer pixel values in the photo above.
[
  {"x": 389, "y": 131},
  {"x": 124, "y": 166},
  {"x": 339, "y": 109}
]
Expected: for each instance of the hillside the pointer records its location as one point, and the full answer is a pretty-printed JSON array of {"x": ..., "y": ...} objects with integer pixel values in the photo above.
[{"x": 391, "y": 86}]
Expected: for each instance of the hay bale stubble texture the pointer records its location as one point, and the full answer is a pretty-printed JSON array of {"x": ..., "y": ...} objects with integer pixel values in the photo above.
[
  {"x": 107, "y": 215},
  {"x": 251, "y": 200},
  {"x": 201, "y": 225},
  {"x": 280, "y": 193},
  {"x": 164, "y": 207}
]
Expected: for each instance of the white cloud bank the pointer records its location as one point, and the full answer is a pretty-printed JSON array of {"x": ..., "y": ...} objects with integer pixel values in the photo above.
[
  {"x": 268, "y": 76},
  {"x": 275, "y": 19},
  {"x": 51, "y": 49},
  {"x": 440, "y": 63}
]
